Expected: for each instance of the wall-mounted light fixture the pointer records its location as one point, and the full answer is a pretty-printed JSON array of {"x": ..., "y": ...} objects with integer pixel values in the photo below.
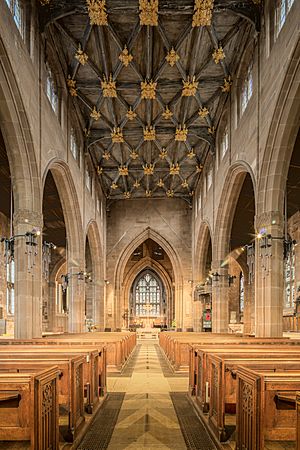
[
  {"x": 31, "y": 247},
  {"x": 216, "y": 278}
]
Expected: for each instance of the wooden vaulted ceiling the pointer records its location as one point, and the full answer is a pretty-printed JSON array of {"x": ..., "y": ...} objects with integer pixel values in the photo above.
[{"x": 137, "y": 167}]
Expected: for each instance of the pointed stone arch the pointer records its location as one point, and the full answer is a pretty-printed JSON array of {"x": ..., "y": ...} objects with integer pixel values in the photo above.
[
  {"x": 75, "y": 238},
  {"x": 18, "y": 141},
  {"x": 204, "y": 235},
  {"x": 281, "y": 140},
  {"x": 227, "y": 204},
  {"x": 139, "y": 267},
  {"x": 96, "y": 248},
  {"x": 149, "y": 233}
]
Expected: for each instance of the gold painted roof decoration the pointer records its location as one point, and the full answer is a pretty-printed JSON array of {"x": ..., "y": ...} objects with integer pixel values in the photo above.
[
  {"x": 136, "y": 184},
  {"x": 130, "y": 114},
  {"x": 148, "y": 90},
  {"x": 72, "y": 86},
  {"x": 148, "y": 169},
  {"x": 170, "y": 193},
  {"x": 191, "y": 194},
  {"x": 227, "y": 84},
  {"x": 99, "y": 170},
  {"x": 181, "y": 133},
  {"x": 127, "y": 194},
  {"x": 108, "y": 87},
  {"x": 148, "y": 193},
  {"x": 203, "y": 13},
  {"x": 172, "y": 57},
  {"x": 174, "y": 169},
  {"x": 117, "y": 135},
  {"x": 134, "y": 155},
  {"x": 189, "y": 87},
  {"x": 125, "y": 57},
  {"x": 95, "y": 114},
  {"x": 106, "y": 155},
  {"x": 163, "y": 153},
  {"x": 123, "y": 171},
  {"x": 149, "y": 133},
  {"x": 191, "y": 154},
  {"x": 185, "y": 184},
  {"x": 203, "y": 112},
  {"x": 218, "y": 55},
  {"x": 149, "y": 12},
  {"x": 81, "y": 56},
  {"x": 114, "y": 186},
  {"x": 211, "y": 130},
  {"x": 97, "y": 12},
  {"x": 44, "y": 2},
  {"x": 160, "y": 183},
  {"x": 167, "y": 114},
  {"x": 199, "y": 168}
]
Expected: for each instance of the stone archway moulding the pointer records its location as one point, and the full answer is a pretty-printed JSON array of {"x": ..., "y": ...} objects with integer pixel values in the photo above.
[
  {"x": 149, "y": 233},
  {"x": 227, "y": 204},
  {"x": 203, "y": 236},
  {"x": 280, "y": 142},
  {"x": 18, "y": 141}
]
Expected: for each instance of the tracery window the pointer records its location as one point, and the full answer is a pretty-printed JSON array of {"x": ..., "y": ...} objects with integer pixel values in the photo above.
[
  {"x": 74, "y": 147},
  {"x": 209, "y": 178},
  {"x": 289, "y": 276},
  {"x": 281, "y": 12},
  {"x": 17, "y": 11},
  {"x": 242, "y": 293},
  {"x": 51, "y": 90},
  {"x": 88, "y": 179},
  {"x": 247, "y": 88},
  {"x": 224, "y": 143},
  {"x": 147, "y": 296},
  {"x": 61, "y": 298},
  {"x": 10, "y": 287}
]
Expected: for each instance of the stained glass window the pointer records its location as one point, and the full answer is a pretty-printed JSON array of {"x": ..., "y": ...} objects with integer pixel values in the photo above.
[
  {"x": 289, "y": 275},
  {"x": 147, "y": 296},
  {"x": 247, "y": 89},
  {"x": 242, "y": 293},
  {"x": 51, "y": 90},
  {"x": 10, "y": 287},
  {"x": 16, "y": 9}
]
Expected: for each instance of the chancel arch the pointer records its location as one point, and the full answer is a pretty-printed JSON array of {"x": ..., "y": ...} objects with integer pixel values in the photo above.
[{"x": 148, "y": 251}]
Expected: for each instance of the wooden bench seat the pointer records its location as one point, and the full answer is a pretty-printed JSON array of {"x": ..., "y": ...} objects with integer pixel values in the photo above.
[
  {"x": 92, "y": 382},
  {"x": 222, "y": 383},
  {"x": 258, "y": 417},
  {"x": 69, "y": 386},
  {"x": 29, "y": 410}
]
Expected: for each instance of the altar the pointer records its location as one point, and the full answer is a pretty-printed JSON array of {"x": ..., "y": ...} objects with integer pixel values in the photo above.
[{"x": 147, "y": 333}]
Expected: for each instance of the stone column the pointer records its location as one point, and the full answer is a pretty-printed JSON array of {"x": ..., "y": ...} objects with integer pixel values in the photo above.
[
  {"x": 28, "y": 276},
  {"x": 220, "y": 316},
  {"x": 248, "y": 306},
  {"x": 76, "y": 290},
  {"x": 269, "y": 277}
]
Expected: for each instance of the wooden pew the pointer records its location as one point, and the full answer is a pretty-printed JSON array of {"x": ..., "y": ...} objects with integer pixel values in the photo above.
[
  {"x": 93, "y": 364},
  {"x": 222, "y": 384},
  {"x": 29, "y": 409},
  {"x": 118, "y": 346},
  {"x": 298, "y": 420},
  {"x": 69, "y": 386},
  {"x": 263, "y": 410}
]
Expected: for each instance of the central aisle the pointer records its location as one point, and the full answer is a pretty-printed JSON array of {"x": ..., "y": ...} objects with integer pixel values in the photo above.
[{"x": 147, "y": 418}]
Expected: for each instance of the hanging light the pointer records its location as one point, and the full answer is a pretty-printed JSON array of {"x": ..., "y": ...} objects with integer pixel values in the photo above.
[{"x": 31, "y": 247}]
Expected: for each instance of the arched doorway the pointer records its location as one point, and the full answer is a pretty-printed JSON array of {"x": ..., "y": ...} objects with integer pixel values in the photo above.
[{"x": 148, "y": 304}]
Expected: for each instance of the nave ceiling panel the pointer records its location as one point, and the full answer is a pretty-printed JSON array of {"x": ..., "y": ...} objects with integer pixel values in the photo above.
[{"x": 150, "y": 96}]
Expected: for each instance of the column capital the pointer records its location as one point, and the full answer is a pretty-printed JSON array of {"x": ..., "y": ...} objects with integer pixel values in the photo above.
[
  {"x": 25, "y": 216},
  {"x": 269, "y": 219}
]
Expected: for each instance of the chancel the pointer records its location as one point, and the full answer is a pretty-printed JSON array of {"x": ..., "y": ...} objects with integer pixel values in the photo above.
[{"x": 149, "y": 224}]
